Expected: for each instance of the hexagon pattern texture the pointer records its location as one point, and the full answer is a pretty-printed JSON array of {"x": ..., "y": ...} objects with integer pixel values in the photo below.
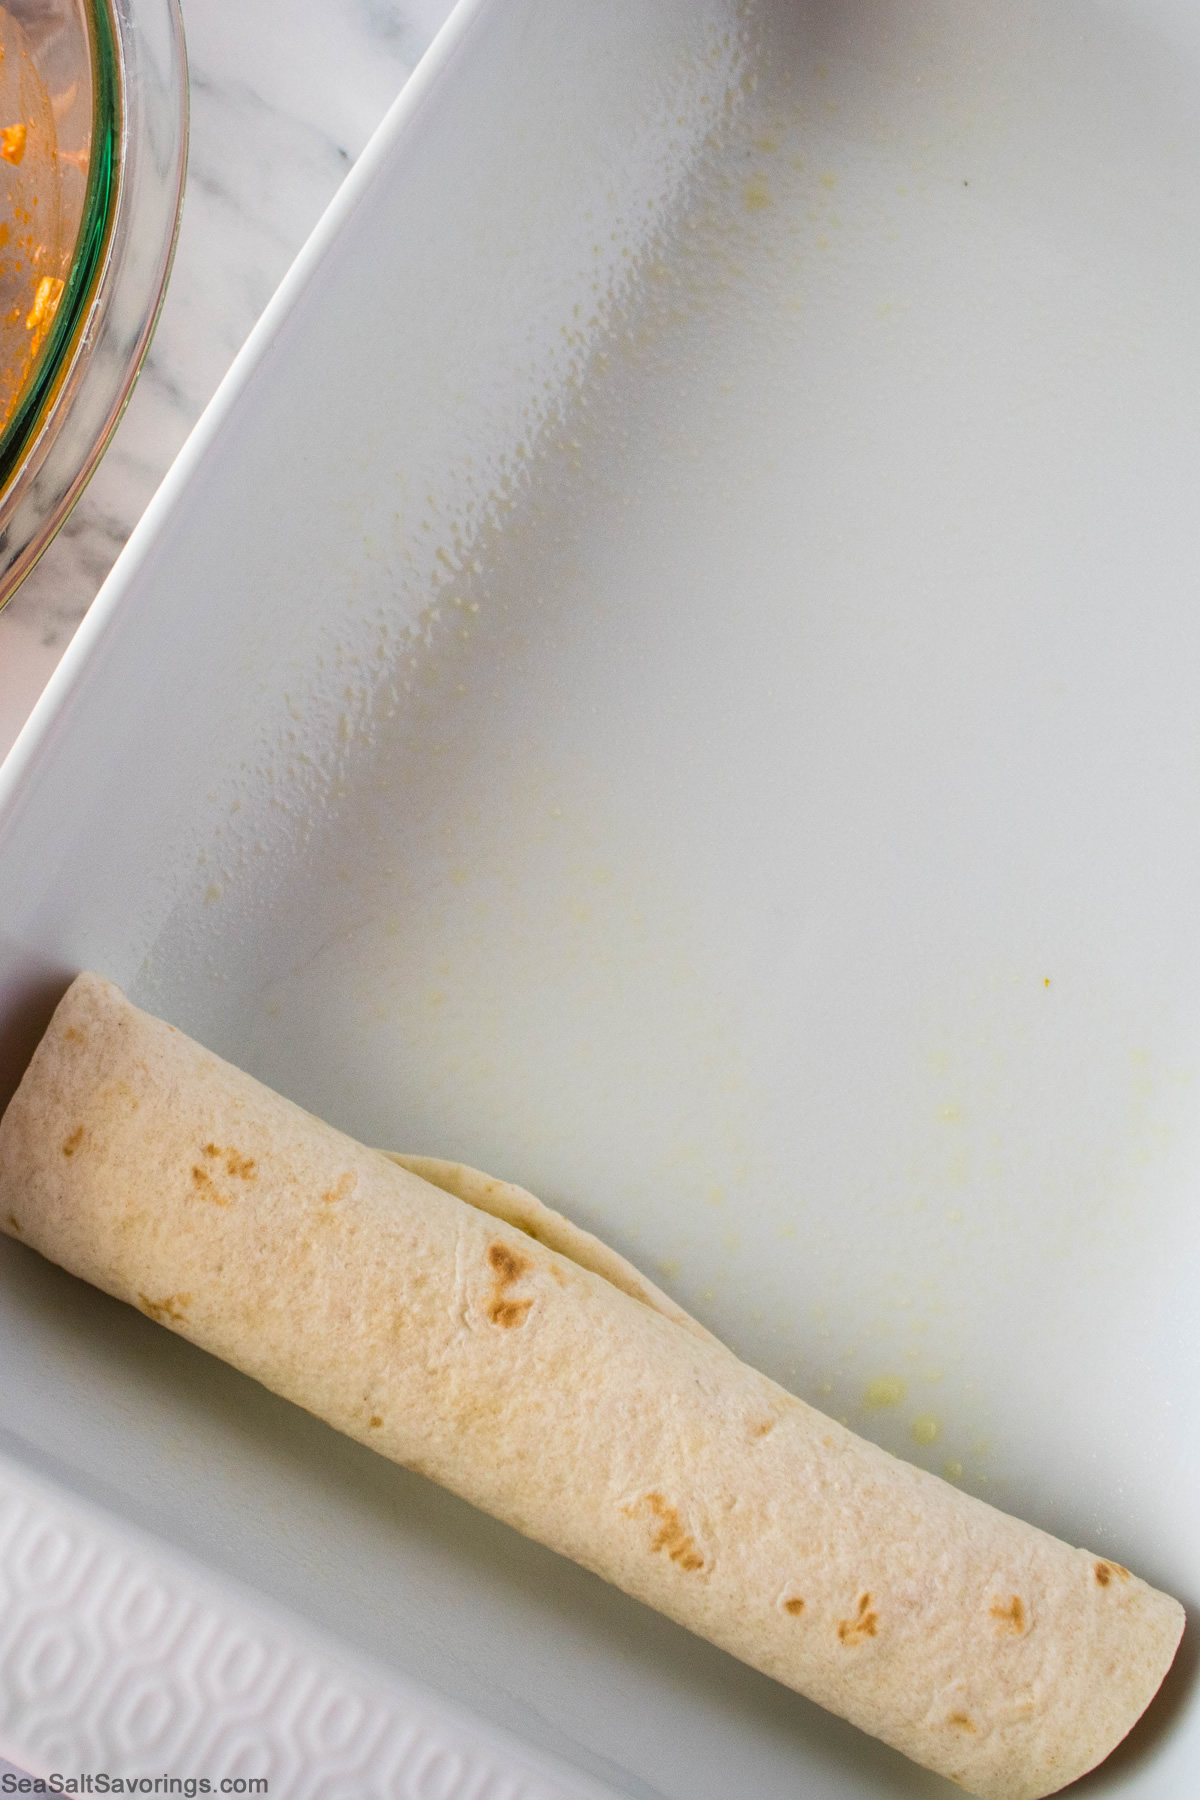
[{"x": 116, "y": 1656}]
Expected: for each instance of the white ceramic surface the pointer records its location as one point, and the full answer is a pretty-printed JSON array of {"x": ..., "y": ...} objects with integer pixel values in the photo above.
[{"x": 669, "y": 672}]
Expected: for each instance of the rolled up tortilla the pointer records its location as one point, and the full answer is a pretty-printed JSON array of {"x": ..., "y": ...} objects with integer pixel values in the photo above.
[{"x": 458, "y": 1329}]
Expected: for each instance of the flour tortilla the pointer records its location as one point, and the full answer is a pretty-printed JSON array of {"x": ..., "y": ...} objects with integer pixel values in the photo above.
[
  {"x": 481, "y": 1340},
  {"x": 503, "y": 1200}
]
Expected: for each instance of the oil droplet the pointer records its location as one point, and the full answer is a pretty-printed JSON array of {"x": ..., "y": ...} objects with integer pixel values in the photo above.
[
  {"x": 885, "y": 1390},
  {"x": 756, "y": 195},
  {"x": 926, "y": 1429},
  {"x": 952, "y": 1470}
]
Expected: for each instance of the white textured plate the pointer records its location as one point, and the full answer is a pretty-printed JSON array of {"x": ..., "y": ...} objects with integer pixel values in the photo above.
[{"x": 670, "y": 672}]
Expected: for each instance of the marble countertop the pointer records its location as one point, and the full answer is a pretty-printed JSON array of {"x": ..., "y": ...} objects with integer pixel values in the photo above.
[{"x": 285, "y": 93}]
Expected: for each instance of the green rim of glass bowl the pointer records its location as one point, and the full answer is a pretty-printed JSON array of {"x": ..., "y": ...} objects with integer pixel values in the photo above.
[{"x": 95, "y": 228}]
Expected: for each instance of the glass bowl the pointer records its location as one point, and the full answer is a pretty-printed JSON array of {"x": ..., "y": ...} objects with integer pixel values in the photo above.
[{"x": 93, "y": 151}]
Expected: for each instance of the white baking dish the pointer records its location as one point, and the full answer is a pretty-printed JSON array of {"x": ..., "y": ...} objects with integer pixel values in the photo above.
[{"x": 668, "y": 672}]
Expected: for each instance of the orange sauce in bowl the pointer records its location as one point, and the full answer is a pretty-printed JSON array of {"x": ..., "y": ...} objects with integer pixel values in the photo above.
[{"x": 36, "y": 238}]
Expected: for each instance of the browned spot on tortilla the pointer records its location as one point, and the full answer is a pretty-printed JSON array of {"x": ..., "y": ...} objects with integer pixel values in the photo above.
[
  {"x": 243, "y": 1168},
  {"x": 508, "y": 1267},
  {"x": 73, "y": 1034},
  {"x": 672, "y": 1535},
  {"x": 864, "y": 1624},
  {"x": 795, "y": 1606},
  {"x": 203, "y": 1183},
  {"x": 374, "y": 1421},
  {"x": 508, "y": 1313},
  {"x": 71, "y": 1144},
  {"x": 507, "y": 1264},
  {"x": 14, "y": 1221},
  {"x": 170, "y": 1308},
  {"x": 1104, "y": 1572},
  {"x": 962, "y": 1721},
  {"x": 342, "y": 1188},
  {"x": 762, "y": 1427},
  {"x": 1011, "y": 1617}
]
